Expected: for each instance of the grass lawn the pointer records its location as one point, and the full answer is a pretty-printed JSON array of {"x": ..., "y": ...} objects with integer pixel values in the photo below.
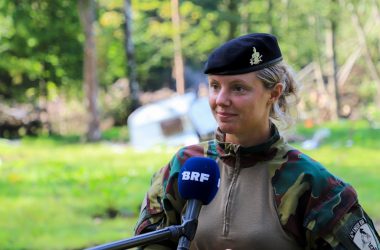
[
  {"x": 63, "y": 195},
  {"x": 58, "y": 193}
]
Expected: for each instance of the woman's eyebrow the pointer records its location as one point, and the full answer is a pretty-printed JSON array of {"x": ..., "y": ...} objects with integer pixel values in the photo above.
[
  {"x": 237, "y": 81},
  {"x": 233, "y": 81},
  {"x": 212, "y": 81}
]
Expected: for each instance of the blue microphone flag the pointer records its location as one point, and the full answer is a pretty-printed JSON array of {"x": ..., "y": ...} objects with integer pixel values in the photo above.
[{"x": 199, "y": 179}]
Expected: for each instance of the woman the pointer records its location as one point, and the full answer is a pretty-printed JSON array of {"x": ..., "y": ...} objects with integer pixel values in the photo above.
[{"x": 271, "y": 195}]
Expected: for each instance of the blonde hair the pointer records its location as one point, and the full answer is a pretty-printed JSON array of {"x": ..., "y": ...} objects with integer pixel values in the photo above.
[{"x": 282, "y": 112}]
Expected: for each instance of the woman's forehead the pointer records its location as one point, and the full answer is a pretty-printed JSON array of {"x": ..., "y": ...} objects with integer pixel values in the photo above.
[{"x": 247, "y": 77}]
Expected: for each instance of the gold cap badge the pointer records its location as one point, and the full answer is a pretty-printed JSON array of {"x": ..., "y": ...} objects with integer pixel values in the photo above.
[{"x": 256, "y": 57}]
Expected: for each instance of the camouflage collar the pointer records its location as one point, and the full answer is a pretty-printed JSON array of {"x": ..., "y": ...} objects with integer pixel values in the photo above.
[{"x": 230, "y": 149}]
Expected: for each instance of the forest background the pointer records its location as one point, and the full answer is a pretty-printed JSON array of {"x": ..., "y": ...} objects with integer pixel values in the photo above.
[
  {"x": 73, "y": 71},
  {"x": 65, "y": 64}
]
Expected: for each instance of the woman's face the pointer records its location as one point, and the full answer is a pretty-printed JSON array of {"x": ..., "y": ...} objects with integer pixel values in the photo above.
[{"x": 240, "y": 103}]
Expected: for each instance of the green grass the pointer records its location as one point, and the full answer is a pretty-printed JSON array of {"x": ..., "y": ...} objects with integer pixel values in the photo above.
[
  {"x": 116, "y": 134},
  {"x": 59, "y": 193}
]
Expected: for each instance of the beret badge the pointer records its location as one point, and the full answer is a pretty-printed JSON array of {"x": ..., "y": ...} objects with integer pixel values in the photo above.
[{"x": 256, "y": 57}]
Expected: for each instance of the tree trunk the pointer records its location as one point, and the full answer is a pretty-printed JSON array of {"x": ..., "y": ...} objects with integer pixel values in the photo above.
[
  {"x": 130, "y": 56},
  {"x": 179, "y": 73},
  {"x": 285, "y": 19},
  {"x": 333, "y": 76},
  {"x": 87, "y": 14},
  {"x": 346, "y": 69},
  {"x": 332, "y": 64},
  {"x": 234, "y": 22},
  {"x": 271, "y": 14},
  {"x": 374, "y": 72},
  {"x": 245, "y": 18},
  {"x": 377, "y": 9},
  {"x": 319, "y": 67},
  {"x": 358, "y": 50}
]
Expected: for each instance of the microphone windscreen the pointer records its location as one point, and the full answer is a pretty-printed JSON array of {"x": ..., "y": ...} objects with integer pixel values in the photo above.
[{"x": 199, "y": 179}]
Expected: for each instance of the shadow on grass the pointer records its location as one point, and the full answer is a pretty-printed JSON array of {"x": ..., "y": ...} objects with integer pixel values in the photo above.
[
  {"x": 115, "y": 134},
  {"x": 53, "y": 139}
]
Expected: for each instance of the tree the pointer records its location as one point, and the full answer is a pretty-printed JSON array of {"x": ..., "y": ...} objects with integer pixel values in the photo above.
[
  {"x": 179, "y": 72},
  {"x": 130, "y": 56},
  {"x": 87, "y": 14},
  {"x": 363, "y": 40},
  {"x": 41, "y": 43},
  {"x": 233, "y": 18},
  {"x": 332, "y": 61}
]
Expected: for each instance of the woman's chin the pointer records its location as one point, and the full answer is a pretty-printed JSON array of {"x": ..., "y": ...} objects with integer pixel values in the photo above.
[{"x": 228, "y": 129}]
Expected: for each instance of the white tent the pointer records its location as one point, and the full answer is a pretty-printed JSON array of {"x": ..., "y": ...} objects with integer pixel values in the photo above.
[{"x": 179, "y": 120}]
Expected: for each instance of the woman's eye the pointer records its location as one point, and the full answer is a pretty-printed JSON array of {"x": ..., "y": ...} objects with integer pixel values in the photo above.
[
  {"x": 239, "y": 88},
  {"x": 213, "y": 86}
]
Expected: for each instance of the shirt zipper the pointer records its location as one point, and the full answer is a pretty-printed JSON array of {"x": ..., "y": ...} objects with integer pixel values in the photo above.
[{"x": 227, "y": 210}]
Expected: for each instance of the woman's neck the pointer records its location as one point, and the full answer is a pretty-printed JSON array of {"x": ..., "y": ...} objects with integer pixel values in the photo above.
[{"x": 256, "y": 137}]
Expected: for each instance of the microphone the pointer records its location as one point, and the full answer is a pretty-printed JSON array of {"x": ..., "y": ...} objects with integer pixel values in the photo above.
[{"x": 198, "y": 182}]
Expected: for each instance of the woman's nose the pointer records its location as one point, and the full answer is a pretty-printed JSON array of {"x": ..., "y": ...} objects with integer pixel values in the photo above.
[{"x": 222, "y": 98}]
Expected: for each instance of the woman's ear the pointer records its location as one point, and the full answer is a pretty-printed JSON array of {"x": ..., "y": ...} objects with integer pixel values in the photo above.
[{"x": 276, "y": 92}]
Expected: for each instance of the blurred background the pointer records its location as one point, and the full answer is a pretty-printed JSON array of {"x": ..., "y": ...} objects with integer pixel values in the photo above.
[{"x": 95, "y": 96}]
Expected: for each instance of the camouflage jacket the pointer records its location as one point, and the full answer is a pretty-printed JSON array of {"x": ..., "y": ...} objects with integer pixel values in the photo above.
[{"x": 314, "y": 207}]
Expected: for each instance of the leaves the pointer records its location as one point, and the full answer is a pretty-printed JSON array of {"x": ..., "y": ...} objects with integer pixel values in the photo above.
[
  {"x": 41, "y": 41},
  {"x": 37, "y": 46}
]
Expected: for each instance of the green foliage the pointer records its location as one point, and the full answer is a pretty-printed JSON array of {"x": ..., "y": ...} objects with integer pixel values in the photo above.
[
  {"x": 41, "y": 41},
  {"x": 40, "y": 44},
  {"x": 110, "y": 42}
]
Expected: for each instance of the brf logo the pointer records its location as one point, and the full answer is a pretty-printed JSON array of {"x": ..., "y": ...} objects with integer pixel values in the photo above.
[{"x": 195, "y": 176}]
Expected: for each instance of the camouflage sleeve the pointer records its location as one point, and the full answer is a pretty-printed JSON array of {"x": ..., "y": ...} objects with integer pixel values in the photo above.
[
  {"x": 154, "y": 214},
  {"x": 152, "y": 211},
  {"x": 319, "y": 210},
  {"x": 162, "y": 205}
]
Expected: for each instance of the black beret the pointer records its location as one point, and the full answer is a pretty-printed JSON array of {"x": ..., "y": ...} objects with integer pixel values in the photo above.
[{"x": 244, "y": 54}]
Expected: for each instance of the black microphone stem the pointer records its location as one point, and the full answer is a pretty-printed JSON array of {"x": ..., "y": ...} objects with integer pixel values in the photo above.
[
  {"x": 186, "y": 231},
  {"x": 192, "y": 212},
  {"x": 171, "y": 232}
]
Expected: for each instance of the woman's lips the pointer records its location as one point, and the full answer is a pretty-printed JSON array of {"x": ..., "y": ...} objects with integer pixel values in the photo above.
[{"x": 225, "y": 115}]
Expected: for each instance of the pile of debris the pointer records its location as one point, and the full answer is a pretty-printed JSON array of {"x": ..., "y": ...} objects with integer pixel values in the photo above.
[{"x": 18, "y": 121}]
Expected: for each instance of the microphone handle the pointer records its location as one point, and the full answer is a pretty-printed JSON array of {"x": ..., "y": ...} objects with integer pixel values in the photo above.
[
  {"x": 192, "y": 213},
  {"x": 171, "y": 232}
]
